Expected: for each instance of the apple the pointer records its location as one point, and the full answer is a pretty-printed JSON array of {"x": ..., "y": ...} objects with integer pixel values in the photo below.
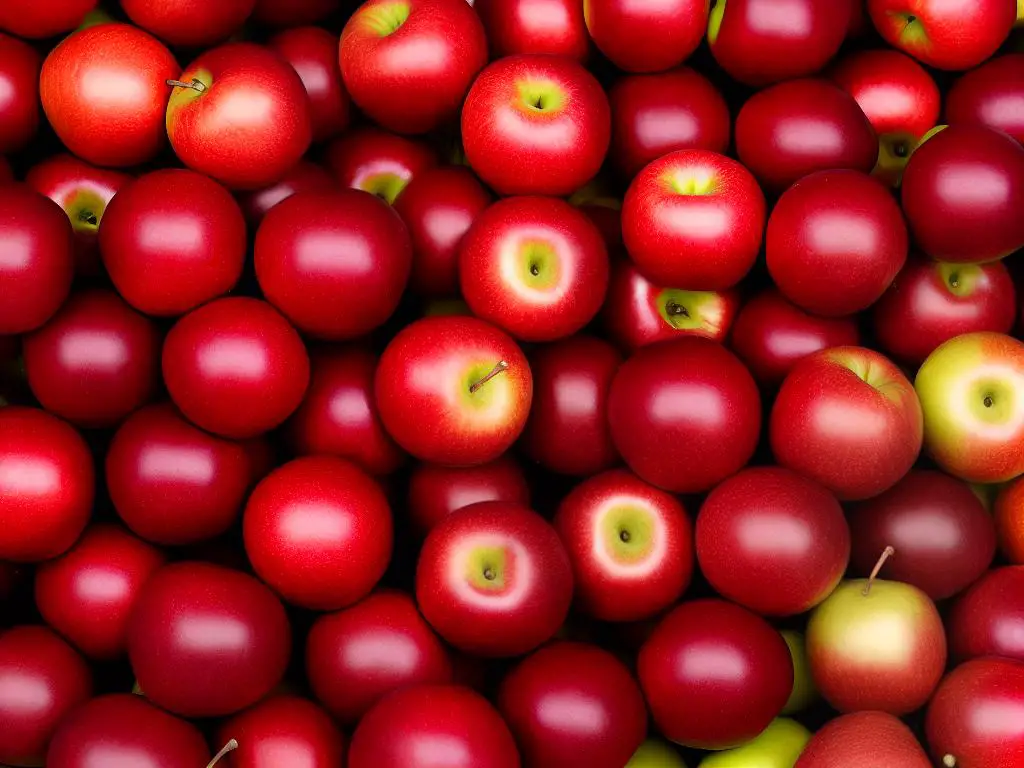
[
  {"x": 659, "y": 113},
  {"x": 848, "y": 418},
  {"x": 989, "y": 95},
  {"x": 850, "y": 266},
  {"x": 188, "y": 24},
  {"x": 378, "y": 162},
  {"x": 303, "y": 177},
  {"x": 790, "y": 130},
  {"x": 655, "y": 753},
  {"x": 103, "y": 90},
  {"x": 630, "y": 545},
  {"x": 283, "y": 725},
  {"x": 19, "y": 99},
  {"x": 972, "y": 393},
  {"x": 986, "y": 619},
  {"x": 604, "y": 208},
  {"x": 646, "y": 37},
  {"x": 468, "y": 381},
  {"x": 772, "y": 541},
  {"x": 945, "y": 35},
  {"x": 930, "y": 302},
  {"x": 1009, "y": 517},
  {"x": 777, "y": 746},
  {"x": 712, "y": 441},
  {"x": 26, "y": 18},
  {"x": 804, "y": 693},
  {"x": 760, "y": 41},
  {"x": 863, "y": 740},
  {"x": 714, "y": 674},
  {"x": 573, "y": 704},
  {"x": 554, "y": 27},
  {"x": 239, "y": 113},
  {"x": 494, "y": 580},
  {"x": 536, "y": 125},
  {"x": 436, "y": 491},
  {"x": 313, "y": 53},
  {"x": 535, "y": 267},
  {"x": 293, "y": 13}
]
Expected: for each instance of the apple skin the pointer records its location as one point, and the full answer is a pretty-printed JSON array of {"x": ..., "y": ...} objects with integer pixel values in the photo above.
[
  {"x": 655, "y": 114},
  {"x": 189, "y": 23},
  {"x": 1009, "y": 517},
  {"x": 945, "y": 35},
  {"x": 637, "y": 312},
  {"x": 777, "y": 746},
  {"x": 535, "y": 267},
  {"x": 990, "y": 95},
  {"x": 650, "y": 37},
  {"x": 423, "y": 385},
  {"x": 19, "y": 104},
  {"x": 972, "y": 393},
  {"x": 378, "y": 162},
  {"x": 792, "y": 129},
  {"x": 42, "y": 679},
  {"x": 303, "y": 177},
  {"x": 618, "y": 579},
  {"x": 804, "y": 693},
  {"x": 835, "y": 242},
  {"x": 800, "y": 38},
  {"x": 986, "y": 620},
  {"x": 293, "y": 13},
  {"x": 693, "y": 219},
  {"x": 121, "y": 123},
  {"x": 573, "y": 704},
  {"x": 863, "y": 740},
  {"x": 931, "y": 302},
  {"x": 554, "y": 27},
  {"x": 772, "y": 541},
  {"x": 436, "y": 491},
  {"x": 971, "y": 222},
  {"x": 26, "y": 18},
  {"x": 714, "y": 674},
  {"x": 494, "y": 580},
  {"x": 248, "y": 125},
  {"x": 654, "y": 753},
  {"x": 713, "y": 443},
  {"x": 283, "y": 725},
  {"x": 976, "y": 717},
  {"x": 519, "y": 148},
  {"x": 313, "y": 53}
]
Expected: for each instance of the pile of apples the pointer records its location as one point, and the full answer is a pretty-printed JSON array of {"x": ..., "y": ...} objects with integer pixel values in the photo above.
[{"x": 526, "y": 383}]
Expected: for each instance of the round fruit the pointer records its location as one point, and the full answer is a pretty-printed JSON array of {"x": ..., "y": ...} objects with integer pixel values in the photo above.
[
  {"x": 283, "y": 728},
  {"x": 986, "y": 620},
  {"x": 436, "y": 491}
]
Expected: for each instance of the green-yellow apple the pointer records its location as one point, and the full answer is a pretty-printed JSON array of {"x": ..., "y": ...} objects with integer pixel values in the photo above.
[
  {"x": 804, "y": 691},
  {"x": 778, "y": 746},
  {"x": 654, "y": 753}
]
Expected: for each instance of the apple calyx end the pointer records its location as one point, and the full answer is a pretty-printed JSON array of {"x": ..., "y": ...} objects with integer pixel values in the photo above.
[
  {"x": 500, "y": 367},
  {"x": 231, "y": 746},
  {"x": 888, "y": 552}
]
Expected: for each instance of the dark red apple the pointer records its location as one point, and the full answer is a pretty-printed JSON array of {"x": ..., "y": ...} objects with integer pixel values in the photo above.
[
  {"x": 988, "y": 618},
  {"x": 990, "y": 95},
  {"x": 313, "y": 53},
  {"x": 554, "y": 27},
  {"x": 19, "y": 93},
  {"x": 863, "y": 740},
  {"x": 378, "y": 162},
  {"x": 646, "y": 37},
  {"x": 282, "y": 728},
  {"x": 26, "y": 18},
  {"x": 6, "y": 174},
  {"x": 189, "y": 23},
  {"x": 293, "y": 13},
  {"x": 436, "y": 491},
  {"x": 1009, "y": 517},
  {"x": 303, "y": 177}
]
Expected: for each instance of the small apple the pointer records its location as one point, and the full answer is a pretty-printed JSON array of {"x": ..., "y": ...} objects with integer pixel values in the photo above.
[
  {"x": 646, "y": 37},
  {"x": 182, "y": 23},
  {"x": 1009, "y": 516},
  {"x": 554, "y": 27},
  {"x": 313, "y": 54},
  {"x": 804, "y": 692},
  {"x": 863, "y": 740},
  {"x": 378, "y": 162},
  {"x": 986, "y": 619},
  {"x": 282, "y": 725},
  {"x": 26, "y": 18},
  {"x": 777, "y": 746},
  {"x": 436, "y": 491},
  {"x": 19, "y": 104},
  {"x": 989, "y": 94}
]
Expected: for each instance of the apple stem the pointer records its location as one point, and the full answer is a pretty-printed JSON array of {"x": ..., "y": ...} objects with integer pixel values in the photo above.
[
  {"x": 231, "y": 746},
  {"x": 501, "y": 366},
  {"x": 886, "y": 554},
  {"x": 196, "y": 85}
]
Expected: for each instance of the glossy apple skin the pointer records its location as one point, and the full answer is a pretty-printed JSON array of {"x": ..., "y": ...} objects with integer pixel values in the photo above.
[
  {"x": 437, "y": 491},
  {"x": 423, "y": 393},
  {"x": 357, "y": 656},
  {"x": 250, "y": 124},
  {"x": 573, "y": 704},
  {"x": 655, "y": 114},
  {"x": 714, "y": 674},
  {"x": 303, "y": 177},
  {"x": 19, "y": 84},
  {"x": 650, "y": 37},
  {"x": 283, "y": 725},
  {"x": 990, "y": 95},
  {"x": 235, "y": 367},
  {"x": 293, "y": 13},
  {"x": 613, "y": 582},
  {"x": 943, "y": 535},
  {"x": 120, "y": 123},
  {"x": 712, "y": 442},
  {"x": 42, "y": 679},
  {"x": 866, "y": 740},
  {"x": 47, "y": 487},
  {"x": 1009, "y": 516},
  {"x": 792, "y": 129},
  {"x": 505, "y": 616},
  {"x": 848, "y": 418},
  {"x": 438, "y": 207},
  {"x": 535, "y": 267},
  {"x": 124, "y": 730},
  {"x": 189, "y": 23},
  {"x": 696, "y": 240},
  {"x": 519, "y": 149},
  {"x": 772, "y": 541},
  {"x": 977, "y": 715},
  {"x": 985, "y": 209},
  {"x": 313, "y": 53},
  {"x": 835, "y": 242},
  {"x": 554, "y": 27},
  {"x": 930, "y": 302},
  {"x": 378, "y": 162},
  {"x": 988, "y": 618},
  {"x": 445, "y": 725},
  {"x": 760, "y": 41},
  {"x": 207, "y": 641},
  {"x": 39, "y": 262},
  {"x": 171, "y": 240},
  {"x": 28, "y": 19}
]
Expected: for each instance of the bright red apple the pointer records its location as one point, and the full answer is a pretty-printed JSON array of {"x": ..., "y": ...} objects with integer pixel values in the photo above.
[
  {"x": 554, "y": 27},
  {"x": 303, "y": 177},
  {"x": 282, "y": 727},
  {"x": 988, "y": 618},
  {"x": 990, "y": 95},
  {"x": 646, "y": 37},
  {"x": 293, "y": 13},
  {"x": 19, "y": 93},
  {"x": 863, "y": 740},
  {"x": 313, "y": 53},
  {"x": 27, "y": 18},
  {"x": 378, "y": 162},
  {"x": 436, "y": 491},
  {"x": 189, "y": 23}
]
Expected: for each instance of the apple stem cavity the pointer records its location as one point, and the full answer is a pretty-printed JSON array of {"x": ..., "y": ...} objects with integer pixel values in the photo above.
[
  {"x": 501, "y": 366},
  {"x": 886, "y": 554},
  {"x": 195, "y": 85},
  {"x": 673, "y": 308},
  {"x": 88, "y": 217},
  {"x": 231, "y": 746}
]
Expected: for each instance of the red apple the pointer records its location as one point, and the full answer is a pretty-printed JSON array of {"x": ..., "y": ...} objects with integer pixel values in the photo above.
[
  {"x": 293, "y": 13},
  {"x": 494, "y": 580},
  {"x": 764, "y": 41},
  {"x": 646, "y": 37},
  {"x": 189, "y": 23},
  {"x": 1009, "y": 516},
  {"x": 536, "y": 125},
  {"x": 863, "y": 740},
  {"x": 793, "y": 129},
  {"x": 453, "y": 390},
  {"x": 714, "y": 674},
  {"x": 835, "y": 242},
  {"x": 711, "y": 441},
  {"x": 240, "y": 114},
  {"x": 19, "y": 93},
  {"x": 409, "y": 63},
  {"x": 282, "y": 726},
  {"x": 573, "y": 704},
  {"x": 630, "y": 545},
  {"x": 988, "y": 618},
  {"x": 655, "y": 114},
  {"x": 378, "y": 162},
  {"x": 990, "y": 95},
  {"x": 303, "y": 177},
  {"x": 103, "y": 90},
  {"x": 437, "y": 491},
  {"x": 26, "y": 18},
  {"x": 848, "y": 418},
  {"x": 313, "y": 53},
  {"x": 554, "y": 27},
  {"x": 962, "y": 194}
]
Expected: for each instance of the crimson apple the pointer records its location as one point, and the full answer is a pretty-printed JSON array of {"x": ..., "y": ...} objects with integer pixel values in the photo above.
[
  {"x": 303, "y": 177},
  {"x": 864, "y": 740},
  {"x": 378, "y": 162},
  {"x": 283, "y": 728},
  {"x": 313, "y": 53},
  {"x": 437, "y": 491},
  {"x": 986, "y": 619},
  {"x": 536, "y": 125},
  {"x": 554, "y": 27},
  {"x": 646, "y": 37},
  {"x": 189, "y": 23},
  {"x": 1009, "y": 517},
  {"x": 27, "y": 18},
  {"x": 19, "y": 93},
  {"x": 293, "y": 13},
  {"x": 990, "y": 95}
]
